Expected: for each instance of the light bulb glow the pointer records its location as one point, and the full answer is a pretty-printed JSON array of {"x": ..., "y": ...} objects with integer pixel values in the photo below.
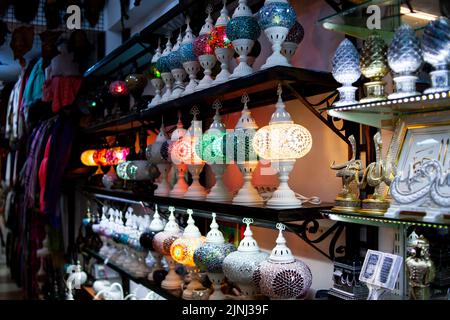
[
  {"x": 182, "y": 250},
  {"x": 87, "y": 158}
]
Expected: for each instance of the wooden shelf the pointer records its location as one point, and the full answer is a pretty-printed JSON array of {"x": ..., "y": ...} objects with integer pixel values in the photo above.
[{"x": 261, "y": 87}]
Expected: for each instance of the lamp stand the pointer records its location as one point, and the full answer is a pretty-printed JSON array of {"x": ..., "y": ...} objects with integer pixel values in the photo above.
[
  {"x": 276, "y": 36},
  {"x": 346, "y": 96},
  {"x": 243, "y": 48},
  {"x": 284, "y": 197},
  {"x": 216, "y": 279},
  {"x": 288, "y": 49},
  {"x": 219, "y": 192},
  {"x": 172, "y": 281},
  {"x": 179, "y": 75},
  {"x": 192, "y": 68},
  {"x": 224, "y": 56},
  {"x": 440, "y": 81},
  {"x": 163, "y": 189},
  {"x": 180, "y": 188},
  {"x": 207, "y": 61},
  {"x": 168, "y": 81},
  {"x": 195, "y": 191},
  {"x": 158, "y": 84},
  {"x": 248, "y": 195},
  {"x": 248, "y": 290},
  {"x": 193, "y": 285},
  {"x": 405, "y": 86}
]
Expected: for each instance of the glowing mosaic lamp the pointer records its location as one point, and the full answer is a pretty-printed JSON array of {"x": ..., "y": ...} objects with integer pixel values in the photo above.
[
  {"x": 436, "y": 51},
  {"x": 182, "y": 251},
  {"x": 209, "y": 257},
  {"x": 118, "y": 88},
  {"x": 116, "y": 155},
  {"x": 276, "y": 18},
  {"x": 163, "y": 66},
  {"x": 87, "y": 158},
  {"x": 243, "y": 30},
  {"x": 345, "y": 65},
  {"x": 245, "y": 157},
  {"x": 122, "y": 170},
  {"x": 176, "y": 67},
  {"x": 282, "y": 276},
  {"x": 140, "y": 170},
  {"x": 205, "y": 52},
  {"x": 189, "y": 59},
  {"x": 240, "y": 265},
  {"x": 162, "y": 242},
  {"x": 212, "y": 149},
  {"x": 282, "y": 142},
  {"x": 222, "y": 46},
  {"x": 405, "y": 57},
  {"x": 157, "y": 82},
  {"x": 157, "y": 154},
  {"x": 293, "y": 39},
  {"x": 181, "y": 186}
]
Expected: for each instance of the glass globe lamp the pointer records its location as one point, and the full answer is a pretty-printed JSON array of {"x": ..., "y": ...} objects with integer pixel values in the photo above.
[
  {"x": 136, "y": 84},
  {"x": 181, "y": 186},
  {"x": 209, "y": 257},
  {"x": 436, "y": 51},
  {"x": 245, "y": 157},
  {"x": 205, "y": 52},
  {"x": 118, "y": 88},
  {"x": 139, "y": 170},
  {"x": 162, "y": 242},
  {"x": 243, "y": 30},
  {"x": 405, "y": 57},
  {"x": 189, "y": 59},
  {"x": 87, "y": 158},
  {"x": 157, "y": 154},
  {"x": 345, "y": 69},
  {"x": 156, "y": 81},
  {"x": 282, "y": 276},
  {"x": 182, "y": 251},
  {"x": 293, "y": 39},
  {"x": 282, "y": 142},
  {"x": 276, "y": 18},
  {"x": 176, "y": 67},
  {"x": 163, "y": 66},
  {"x": 222, "y": 46},
  {"x": 240, "y": 265},
  {"x": 122, "y": 170}
]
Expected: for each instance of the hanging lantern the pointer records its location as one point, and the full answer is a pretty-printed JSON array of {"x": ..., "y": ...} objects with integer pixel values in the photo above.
[
  {"x": 282, "y": 276},
  {"x": 209, "y": 257},
  {"x": 181, "y": 186},
  {"x": 118, "y": 88},
  {"x": 293, "y": 39},
  {"x": 182, "y": 251},
  {"x": 240, "y": 265},
  {"x": 176, "y": 67},
  {"x": 155, "y": 76},
  {"x": 163, "y": 66},
  {"x": 276, "y": 18},
  {"x": 189, "y": 59},
  {"x": 282, "y": 142},
  {"x": 243, "y": 30}
]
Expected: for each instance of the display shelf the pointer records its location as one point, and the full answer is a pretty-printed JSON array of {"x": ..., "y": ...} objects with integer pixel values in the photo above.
[
  {"x": 226, "y": 212},
  {"x": 380, "y": 220},
  {"x": 354, "y": 21},
  {"x": 383, "y": 114},
  {"x": 261, "y": 86},
  {"x": 143, "y": 281}
]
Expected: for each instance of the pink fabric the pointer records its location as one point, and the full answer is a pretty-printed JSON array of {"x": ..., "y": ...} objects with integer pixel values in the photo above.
[
  {"x": 43, "y": 174},
  {"x": 62, "y": 91}
]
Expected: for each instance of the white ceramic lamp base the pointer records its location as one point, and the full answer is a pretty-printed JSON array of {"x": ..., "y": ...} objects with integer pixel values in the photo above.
[
  {"x": 158, "y": 84},
  {"x": 180, "y": 188},
  {"x": 405, "y": 86},
  {"x": 172, "y": 281},
  {"x": 192, "y": 68},
  {"x": 284, "y": 197},
  {"x": 163, "y": 188},
  {"x": 440, "y": 81},
  {"x": 168, "y": 81},
  {"x": 346, "y": 96},
  {"x": 288, "y": 50},
  {"x": 248, "y": 195},
  {"x": 276, "y": 36},
  {"x": 216, "y": 279},
  {"x": 224, "y": 56},
  {"x": 243, "y": 48},
  {"x": 195, "y": 191},
  {"x": 219, "y": 192},
  {"x": 178, "y": 75},
  {"x": 207, "y": 62}
]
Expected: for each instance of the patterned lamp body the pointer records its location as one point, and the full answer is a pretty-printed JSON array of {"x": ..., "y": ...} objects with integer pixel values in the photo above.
[
  {"x": 276, "y": 18},
  {"x": 293, "y": 39},
  {"x": 209, "y": 257},
  {"x": 282, "y": 276},
  {"x": 345, "y": 65},
  {"x": 110, "y": 179},
  {"x": 245, "y": 156},
  {"x": 177, "y": 69},
  {"x": 240, "y": 265},
  {"x": 436, "y": 51},
  {"x": 140, "y": 170},
  {"x": 180, "y": 187},
  {"x": 374, "y": 66},
  {"x": 405, "y": 58},
  {"x": 156, "y": 81},
  {"x": 243, "y": 30},
  {"x": 163, "y": 66},
  {"x": 189, "y": 59}
]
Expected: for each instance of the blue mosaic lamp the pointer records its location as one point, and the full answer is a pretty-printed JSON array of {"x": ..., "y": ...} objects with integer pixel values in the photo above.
[
  {"x": 189, "y": 59},
  {"x": 176, "y": 67},
  {"x": 163, "y": 66}
]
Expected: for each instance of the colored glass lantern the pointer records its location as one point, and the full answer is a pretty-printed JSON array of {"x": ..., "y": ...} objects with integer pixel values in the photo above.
[
  {"x": 176, "y": 67},
  {"x": 122, "y": 170},
  {"x": 118, "y": 88},
  {"x": 136, "y": 84},
  {"x": 189, "y": 59},
  {"x": 239, "y": 266},
  {"x": 87, "y": 158},
  {"x": 209, "y": 257},
  {"x": 163, "y": 66},
  {"x": 293, "y": 39},
  {"x": 276, "y": 18},
  {"x": 156, "y": 80},
  {"x": 282, "y": 142},
  {"x": 243, "y": 30},
  {"x": 182, "y": 251},
  {"x": 181, "y": 186},
  {"x": 282, "y": 276},
  {"x": 100, "y": 157}
]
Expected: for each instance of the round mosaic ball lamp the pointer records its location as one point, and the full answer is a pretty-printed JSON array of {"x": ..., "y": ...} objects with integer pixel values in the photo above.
[
  {"x": 161, "y": 243},
  {"x": 436, "y": 51},
  {"x": 157, "y": 153},
  {"x": 113, "y": 156},
  {"x": 222, "y": 46},
  {"x": 163, "y": 66},
  {"x": 157, "y": 82},
  {"x": 293, "y": 39},
  {"x": 182, "y": 251},
  {"x": 189, "y": 59},
  {"x": 276, "y": 18},
  {"x": 181, "y": 186},
  {"x": 345, "y": 69},
  {"x": 243, "y": 30},
  {"x": 282, "y": 142},
  {"x": 213, "y": 152},
  {"x": 240, "y": 265},
  {"x": 136, "y": 170},
  {"x": 282, "y": 276},
  {"x": 209, "y": 257},
  {"x": 405, "y": 57},
  {"x": 136, "y": 83},
  {"x": 176, "y": 67},
  {"x": 245, "y": 157},
  {"x": 205, "y": 52}
]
